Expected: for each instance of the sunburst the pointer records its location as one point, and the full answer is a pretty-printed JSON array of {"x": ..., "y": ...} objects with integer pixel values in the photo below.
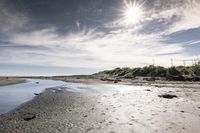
[{"x": 132, "y": 13}]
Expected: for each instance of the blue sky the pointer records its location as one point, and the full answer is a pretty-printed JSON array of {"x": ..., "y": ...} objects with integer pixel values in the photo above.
[{"x": 55, "y": 37}]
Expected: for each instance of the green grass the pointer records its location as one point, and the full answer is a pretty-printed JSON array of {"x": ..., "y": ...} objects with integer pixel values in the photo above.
[{"x": 155, "y": 71}]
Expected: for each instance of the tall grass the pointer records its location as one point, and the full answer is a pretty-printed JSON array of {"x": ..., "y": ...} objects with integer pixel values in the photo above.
[{"x": 155, "y": 71}]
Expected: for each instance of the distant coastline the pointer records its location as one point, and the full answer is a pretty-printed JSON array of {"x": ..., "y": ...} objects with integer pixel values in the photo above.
[
  {"x": 137, "y": 76},
  {"x": 10, "y": 81}
]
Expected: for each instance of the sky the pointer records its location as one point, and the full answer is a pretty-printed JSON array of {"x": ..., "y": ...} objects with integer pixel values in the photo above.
[{"x": 64, "y": 37}]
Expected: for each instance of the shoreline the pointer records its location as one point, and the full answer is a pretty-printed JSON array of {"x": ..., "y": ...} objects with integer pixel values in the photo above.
[
  {"x": 4, "y": 81},
  {"x": 124, "y": 81},
  {"x": 107, "y": 110}
]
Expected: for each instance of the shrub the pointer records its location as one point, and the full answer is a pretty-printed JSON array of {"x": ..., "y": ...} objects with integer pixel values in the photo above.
[
  {"x": 196, "y": 69},
  {"x": 174, "y": 71},
  {"x": 155, "y": 71}
]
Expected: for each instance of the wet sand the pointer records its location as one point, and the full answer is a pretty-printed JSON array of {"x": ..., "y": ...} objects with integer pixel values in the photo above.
[{"x": 114, "y": 110}]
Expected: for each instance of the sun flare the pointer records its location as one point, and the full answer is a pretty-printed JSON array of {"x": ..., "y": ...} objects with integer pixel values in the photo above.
[{"x": 132, "y": 13}]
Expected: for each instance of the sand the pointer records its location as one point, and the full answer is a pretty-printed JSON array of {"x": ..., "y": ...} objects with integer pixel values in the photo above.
[
  {"x": 108, "y": 109},
  {"x": 10, "y": 80}
]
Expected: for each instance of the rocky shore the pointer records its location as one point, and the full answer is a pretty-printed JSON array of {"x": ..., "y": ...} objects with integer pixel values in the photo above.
[{"x": 108, "y": 108}]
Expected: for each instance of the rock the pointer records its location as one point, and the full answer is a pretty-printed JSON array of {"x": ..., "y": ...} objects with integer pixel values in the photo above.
[
  {"x": 85, "y": 115},
  {"x": 29, "y": 116},
  {"x": 147, "y": 90},
  {"x": 168, "y": 96},
  {"x": 115, "y": 82},
  {"x": 36, "y": 94}
]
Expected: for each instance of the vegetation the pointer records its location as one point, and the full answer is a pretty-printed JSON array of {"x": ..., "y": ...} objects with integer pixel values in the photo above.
[{"x": 156, "y": 71}]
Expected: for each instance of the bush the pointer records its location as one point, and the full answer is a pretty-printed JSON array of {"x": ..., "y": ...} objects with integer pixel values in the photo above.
[
  {"x": 196, "y": 70},
  {"x": 173, "y": 71},
  {"x": 183, "y": 70},
  {"x": 155, "y": 71},
  {"x": 160, "y": 71}
]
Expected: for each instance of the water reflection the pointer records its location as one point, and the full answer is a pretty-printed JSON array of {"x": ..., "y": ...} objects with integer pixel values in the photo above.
[{"x": 13, "y": 95}]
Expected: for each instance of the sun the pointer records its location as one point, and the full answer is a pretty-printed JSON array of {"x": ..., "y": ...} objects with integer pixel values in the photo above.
[{"x": 132, "y": 13}]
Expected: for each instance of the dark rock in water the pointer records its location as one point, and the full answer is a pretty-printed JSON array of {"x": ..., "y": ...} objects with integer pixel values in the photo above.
[
  {"x": 29, "y": 116},
  {"x": 147, "y": 90},
  {"x": 168, "y": 96},
  {"x": 36, "y": 94},
  {"x": 37, "y": 82}
]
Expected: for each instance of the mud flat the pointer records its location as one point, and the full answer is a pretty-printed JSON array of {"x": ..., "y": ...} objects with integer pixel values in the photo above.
[
  {"x": 107, "y": 108},
  {"x": 10, "y": 80}
]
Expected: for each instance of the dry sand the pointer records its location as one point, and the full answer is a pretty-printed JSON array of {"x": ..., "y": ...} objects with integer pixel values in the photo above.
[
  {"x": 10, "y": 80},
  {"x": 108, "y": 110}
]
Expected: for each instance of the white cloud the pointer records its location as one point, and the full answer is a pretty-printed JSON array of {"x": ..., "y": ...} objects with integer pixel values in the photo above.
[
  {"x": 174, "y": 15},
  {"x": 194, "y": 42},
  {"x": 189, "y": 19},
  {"x": 39, "y": 37},
  {"x": 90, "y": 48},
  {"x": 78, "y": 25},
  {"x": 177, "y": 15}
]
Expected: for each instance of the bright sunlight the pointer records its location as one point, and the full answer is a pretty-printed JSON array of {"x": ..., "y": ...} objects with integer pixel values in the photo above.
[{"x": 132, "y": 13}]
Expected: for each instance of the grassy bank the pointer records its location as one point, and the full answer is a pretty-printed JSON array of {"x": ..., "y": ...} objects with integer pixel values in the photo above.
[{"x": 179, "y": 73}]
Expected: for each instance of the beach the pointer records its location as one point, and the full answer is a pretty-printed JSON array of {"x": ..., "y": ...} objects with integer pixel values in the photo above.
[
  {"x": 10, "y": 80},
  {"x": 108, "y": 108}
]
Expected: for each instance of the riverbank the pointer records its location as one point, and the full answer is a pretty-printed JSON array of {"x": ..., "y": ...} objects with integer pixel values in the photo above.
[
  {"x": 10, "y": 81},
  {"x": 11, "y": 96},
  {"x": 107, "y": 108},
  {"x": 139, "y": 81}
]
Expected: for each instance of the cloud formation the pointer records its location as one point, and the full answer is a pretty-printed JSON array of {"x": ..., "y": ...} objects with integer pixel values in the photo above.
[
  {"x": 101, "y": 46},
  {"x": 11, "y": 21}
]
